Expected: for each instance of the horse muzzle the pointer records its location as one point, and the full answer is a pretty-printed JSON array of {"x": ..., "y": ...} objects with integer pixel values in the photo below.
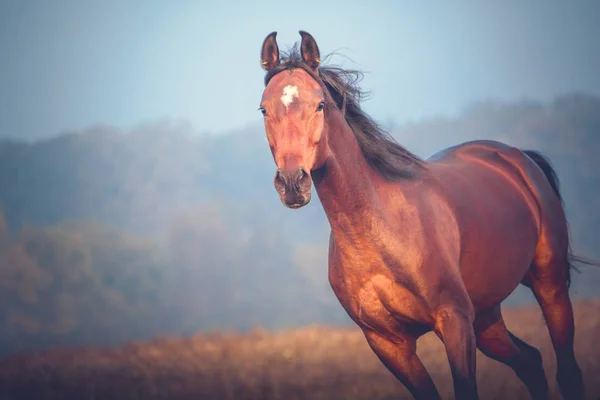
[{"x": 293, "y": 186}]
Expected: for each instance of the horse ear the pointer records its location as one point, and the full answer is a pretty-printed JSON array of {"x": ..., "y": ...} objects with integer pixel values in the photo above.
[
  {"x": 310, "y": 50},
  {"x": 269, "y": 55}
]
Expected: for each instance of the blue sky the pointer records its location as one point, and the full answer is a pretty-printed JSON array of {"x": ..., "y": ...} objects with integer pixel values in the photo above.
[{"x": 66, "y": 65}]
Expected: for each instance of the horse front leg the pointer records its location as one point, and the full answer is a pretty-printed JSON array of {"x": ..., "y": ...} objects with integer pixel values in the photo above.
[
  {"x": 454, "y": 326},
  {"x": 399, "y": 356}
]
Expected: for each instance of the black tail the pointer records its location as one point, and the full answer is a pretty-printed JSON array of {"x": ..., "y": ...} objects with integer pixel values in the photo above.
[
  {"x": 550, "y": 173},
  {"x": 543, "y": 162}
]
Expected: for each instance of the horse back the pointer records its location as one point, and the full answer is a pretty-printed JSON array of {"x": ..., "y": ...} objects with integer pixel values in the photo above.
[{"x": 497, "y": 196}]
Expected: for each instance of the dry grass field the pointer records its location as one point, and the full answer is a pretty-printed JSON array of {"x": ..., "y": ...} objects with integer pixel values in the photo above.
[{"x": 310, "y": 363}]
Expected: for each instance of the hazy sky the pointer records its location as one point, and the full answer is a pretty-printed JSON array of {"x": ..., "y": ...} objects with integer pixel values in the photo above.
[{"x": 65, "y": 65}]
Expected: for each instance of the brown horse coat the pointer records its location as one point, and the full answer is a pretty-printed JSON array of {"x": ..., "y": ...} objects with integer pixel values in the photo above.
[{"x": 421, "y": 245}]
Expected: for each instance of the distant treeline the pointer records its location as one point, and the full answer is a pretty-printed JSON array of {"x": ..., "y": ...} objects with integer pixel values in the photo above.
[
  {"x": 108, "y": 236},
  {"x": 82, "y": 283}
]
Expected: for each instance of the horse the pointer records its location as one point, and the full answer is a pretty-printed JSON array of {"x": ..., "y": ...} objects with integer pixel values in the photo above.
[{"x": 420, "y": 245}]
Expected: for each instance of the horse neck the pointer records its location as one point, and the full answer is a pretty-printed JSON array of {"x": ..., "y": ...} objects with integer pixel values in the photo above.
[{"x": 346, "y": 183}]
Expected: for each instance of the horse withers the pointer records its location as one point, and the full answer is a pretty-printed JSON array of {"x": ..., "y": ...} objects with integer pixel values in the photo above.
[{"x": 422, "y": 245}]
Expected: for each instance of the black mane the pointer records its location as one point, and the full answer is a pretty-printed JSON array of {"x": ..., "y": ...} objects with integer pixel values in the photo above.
[{"x": 381, "y": 151}]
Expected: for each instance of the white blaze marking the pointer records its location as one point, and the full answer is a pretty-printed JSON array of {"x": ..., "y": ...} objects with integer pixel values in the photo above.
[{"x": 289, "y": 92}]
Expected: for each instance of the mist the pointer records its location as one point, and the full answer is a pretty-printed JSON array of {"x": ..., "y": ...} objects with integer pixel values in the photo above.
[{"x": 112, "y": 235}]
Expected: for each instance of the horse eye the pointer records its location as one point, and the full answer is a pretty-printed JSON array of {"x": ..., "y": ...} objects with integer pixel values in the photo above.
[
  {"x": 263, "y": 111},
  {"x": 321, "y": 106}
]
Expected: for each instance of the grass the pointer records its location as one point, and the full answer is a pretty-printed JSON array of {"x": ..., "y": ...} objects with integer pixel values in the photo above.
[{"x": 313, "y": 362}]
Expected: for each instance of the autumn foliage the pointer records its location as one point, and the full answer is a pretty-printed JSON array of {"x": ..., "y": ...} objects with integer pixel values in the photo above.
[{"x": 109, "y": 236}]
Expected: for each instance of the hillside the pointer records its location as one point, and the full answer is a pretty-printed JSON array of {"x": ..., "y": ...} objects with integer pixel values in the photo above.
[
  {"x": 109, "y": 235},
  {"x": 139, "y": 179},
  {"x": 314, "y": 362}
]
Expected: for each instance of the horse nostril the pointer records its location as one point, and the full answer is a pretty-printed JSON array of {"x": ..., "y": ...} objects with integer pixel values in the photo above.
[
  {"x": 303, "y": 178},
  {"x": 292, "y": 180},
  {"x": 279, "y": 180}
]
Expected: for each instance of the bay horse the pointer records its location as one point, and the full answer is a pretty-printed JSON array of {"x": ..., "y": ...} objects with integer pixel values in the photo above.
[{"x": 422, "y": 245}]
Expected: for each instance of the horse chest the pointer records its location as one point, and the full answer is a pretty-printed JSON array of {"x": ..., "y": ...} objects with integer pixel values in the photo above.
[{"x": 372, "y": 297}]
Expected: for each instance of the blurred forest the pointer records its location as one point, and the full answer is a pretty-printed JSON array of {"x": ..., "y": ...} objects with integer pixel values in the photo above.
[{"x": 108, "y": 236}]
